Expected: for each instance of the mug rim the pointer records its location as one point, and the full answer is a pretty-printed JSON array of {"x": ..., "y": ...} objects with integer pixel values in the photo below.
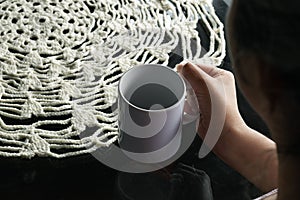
[{"x": 136, "y": 67}]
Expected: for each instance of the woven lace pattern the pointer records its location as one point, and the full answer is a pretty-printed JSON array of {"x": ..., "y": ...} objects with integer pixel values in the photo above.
[{"x": 60, "y": 62}]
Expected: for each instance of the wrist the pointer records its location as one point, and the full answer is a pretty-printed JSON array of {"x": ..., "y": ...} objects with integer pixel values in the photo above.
[{"x": 231, "y": 132}]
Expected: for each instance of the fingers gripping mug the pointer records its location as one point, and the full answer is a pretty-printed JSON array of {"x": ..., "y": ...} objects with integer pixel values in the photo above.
[{"x": 154, "y": 102}]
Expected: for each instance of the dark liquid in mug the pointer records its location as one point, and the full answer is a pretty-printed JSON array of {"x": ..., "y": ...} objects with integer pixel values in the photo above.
[{"x": 153, "y": 94}]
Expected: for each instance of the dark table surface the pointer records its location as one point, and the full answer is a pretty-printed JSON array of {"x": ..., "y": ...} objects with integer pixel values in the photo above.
[{"x": 84, "y": 177}]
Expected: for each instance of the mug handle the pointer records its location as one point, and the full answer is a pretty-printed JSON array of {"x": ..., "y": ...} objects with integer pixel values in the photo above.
[{"x": 191, "y": 111}]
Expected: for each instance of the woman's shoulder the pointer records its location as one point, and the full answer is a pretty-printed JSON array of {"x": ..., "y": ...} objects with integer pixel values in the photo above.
[{"x": 269, "y": 196}]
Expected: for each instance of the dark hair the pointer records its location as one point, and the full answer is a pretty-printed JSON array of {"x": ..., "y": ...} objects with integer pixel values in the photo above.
[{"x": 269, "y": 30}]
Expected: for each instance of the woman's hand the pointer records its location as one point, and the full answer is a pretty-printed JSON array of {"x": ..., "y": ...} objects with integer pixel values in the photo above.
[
  {"x": 252, "y": 154},
  {"x": 208, "y": 83}
]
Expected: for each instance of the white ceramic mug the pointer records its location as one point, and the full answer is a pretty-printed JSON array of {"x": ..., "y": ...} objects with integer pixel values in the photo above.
[{"x": 152, "y": 101}]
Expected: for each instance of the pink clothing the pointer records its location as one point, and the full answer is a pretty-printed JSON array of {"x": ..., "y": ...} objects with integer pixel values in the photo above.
[{"x": 268, "y": 196}]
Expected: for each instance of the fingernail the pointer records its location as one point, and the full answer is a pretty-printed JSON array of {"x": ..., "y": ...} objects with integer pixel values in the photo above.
[{"x": 182, "y": 63}]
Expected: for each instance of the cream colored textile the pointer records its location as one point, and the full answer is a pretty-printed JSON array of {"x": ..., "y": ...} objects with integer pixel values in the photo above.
[{"x": 60, "y": 62}]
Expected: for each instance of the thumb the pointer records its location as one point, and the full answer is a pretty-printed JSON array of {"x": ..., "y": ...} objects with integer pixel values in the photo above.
[
  {"x": 199, "y": 79},
  {"x": 195, "y": 76}
]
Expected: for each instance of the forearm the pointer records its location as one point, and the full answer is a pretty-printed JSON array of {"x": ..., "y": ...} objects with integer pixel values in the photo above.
[{"x": 251, "y": 154}]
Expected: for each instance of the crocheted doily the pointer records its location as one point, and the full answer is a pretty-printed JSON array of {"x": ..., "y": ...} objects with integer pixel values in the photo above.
[{"x": 60, "y": 62}]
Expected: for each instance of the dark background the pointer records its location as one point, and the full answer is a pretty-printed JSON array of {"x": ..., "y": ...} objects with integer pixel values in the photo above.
[{"x": 84, "y": 177}]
